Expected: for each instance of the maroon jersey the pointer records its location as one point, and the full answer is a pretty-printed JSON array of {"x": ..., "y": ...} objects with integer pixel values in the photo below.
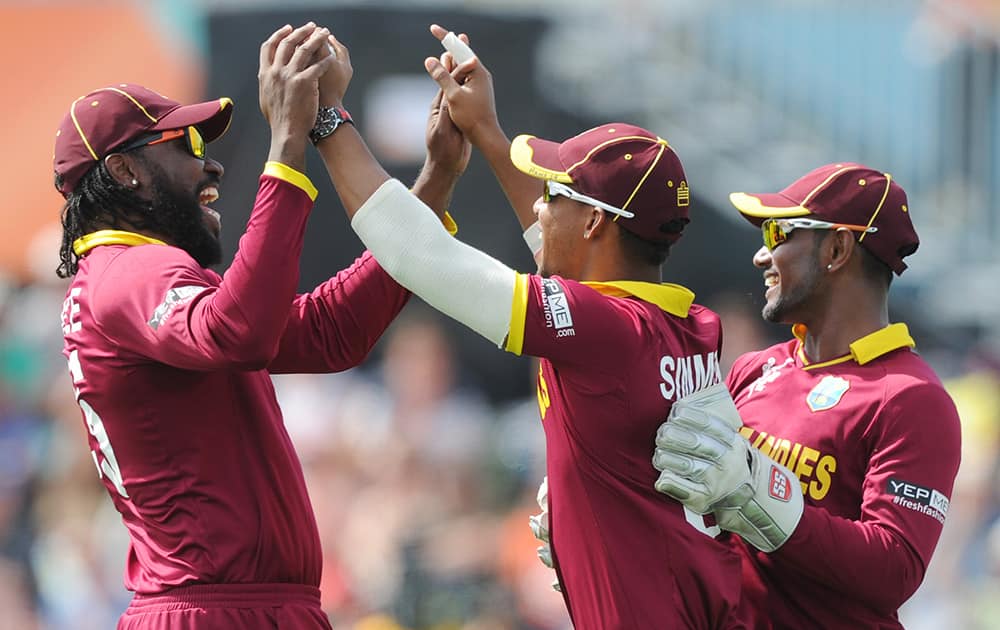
[
  {"x": 615, "y": 358},
  {"x": 874, "y": 439},
  {"x": 170, "y": 365}
]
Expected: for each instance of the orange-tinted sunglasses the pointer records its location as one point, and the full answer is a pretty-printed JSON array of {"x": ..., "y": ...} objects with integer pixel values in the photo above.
[{"x": 194, "y": 142}]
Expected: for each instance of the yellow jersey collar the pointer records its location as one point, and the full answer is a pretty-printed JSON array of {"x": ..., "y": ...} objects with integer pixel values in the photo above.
[
  {"x": 867, "y": 348},
  {"x": 88, "y": 242},
  {"x": 672, "y": 298}
]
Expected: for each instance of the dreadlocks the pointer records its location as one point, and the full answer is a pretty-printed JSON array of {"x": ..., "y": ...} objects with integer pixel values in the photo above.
[{"x": 98, "y": 201}]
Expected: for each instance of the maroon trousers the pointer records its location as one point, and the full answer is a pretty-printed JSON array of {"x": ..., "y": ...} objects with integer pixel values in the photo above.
[{"x": 227, "y": 607}]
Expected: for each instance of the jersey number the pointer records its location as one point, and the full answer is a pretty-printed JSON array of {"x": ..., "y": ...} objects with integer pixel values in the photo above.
[{"x": 108, "y": 466}]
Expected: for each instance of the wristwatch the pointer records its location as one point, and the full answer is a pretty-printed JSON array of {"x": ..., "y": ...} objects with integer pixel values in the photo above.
[{"x": 327, "y": 121}]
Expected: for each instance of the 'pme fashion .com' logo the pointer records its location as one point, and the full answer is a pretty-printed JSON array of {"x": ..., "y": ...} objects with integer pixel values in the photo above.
[{"x": 555, "y": 306}]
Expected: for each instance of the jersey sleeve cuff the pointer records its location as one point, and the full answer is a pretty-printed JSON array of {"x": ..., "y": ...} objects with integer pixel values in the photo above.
[
  {"x": 518, "y": 315},
  {"x": 292, "y": 176},
  {"x": 449, "y": 224}
]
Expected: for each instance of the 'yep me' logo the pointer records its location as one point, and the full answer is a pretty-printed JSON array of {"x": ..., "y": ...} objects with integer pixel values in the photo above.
[{"x": 919, "y": 498}]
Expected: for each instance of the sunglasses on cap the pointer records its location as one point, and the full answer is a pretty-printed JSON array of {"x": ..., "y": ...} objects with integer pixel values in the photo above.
[
  {"x": 553, "y": 188},
  {"x": 193, "y": 140},
  {"x": 776, "y": 231}
]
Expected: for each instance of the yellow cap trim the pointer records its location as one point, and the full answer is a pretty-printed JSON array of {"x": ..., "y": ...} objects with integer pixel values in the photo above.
[
  {"x": 614, "y": 140},
  {"x": 79, "y": 130},
  {"x": 826, "y": 181},
  {"x": 885, "y": 195},
  {"x": 134, "y": 102},
  {"x": 292, "y": 176},
  {"x": 518, "y": 314},
  {"x": 224, "y": 102},
  {"x": 449, "y": 223},
  {"x": 76, "y": 123},
  {"x": 645, "y": 175},
  {"x": 863, "y": 350},
  {"x": 88, "y": 242},
  {"x": 672, "y": 298},
  {"x": 752, "y": 207},
  {"x": 521, "y": 154}
]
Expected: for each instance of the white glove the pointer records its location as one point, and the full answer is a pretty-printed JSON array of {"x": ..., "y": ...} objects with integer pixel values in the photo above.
[
  {"x": 540, "y": 528},
  {"x": 708, "y": 466}
]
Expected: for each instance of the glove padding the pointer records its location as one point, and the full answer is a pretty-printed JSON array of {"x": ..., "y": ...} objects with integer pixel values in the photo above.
[
  {"x": 539, "y": 524},
  {"x": 708, "y": 466}
]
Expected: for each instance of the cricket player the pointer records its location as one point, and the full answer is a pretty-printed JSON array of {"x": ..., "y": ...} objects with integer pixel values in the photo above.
[
  {"x": 846, "y": 407},
  {"x": 618, "y": 347},
  {"x": 170, "y": 361}
]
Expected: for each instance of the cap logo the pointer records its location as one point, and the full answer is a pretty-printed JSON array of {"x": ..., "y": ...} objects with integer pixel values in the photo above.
[{"x": 683, "y": 195}]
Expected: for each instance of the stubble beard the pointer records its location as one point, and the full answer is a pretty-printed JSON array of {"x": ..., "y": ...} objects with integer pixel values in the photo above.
[{"x": 784, "y": 309}]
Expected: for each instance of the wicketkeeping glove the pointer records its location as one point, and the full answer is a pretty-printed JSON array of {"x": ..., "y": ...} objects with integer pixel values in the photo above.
[
  {"x": 540, "y": 528},
  {"x": 708, "y": 466}
]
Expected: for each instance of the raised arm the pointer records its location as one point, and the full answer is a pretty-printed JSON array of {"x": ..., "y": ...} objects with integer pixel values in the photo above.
[
  {"x": 187, "y": 317},
  {"x": 468, "y": 92},
  {"x": 410, "y": 242},
  {"x": 447, "y": 149},
  {"x": 447, "y": 157}
]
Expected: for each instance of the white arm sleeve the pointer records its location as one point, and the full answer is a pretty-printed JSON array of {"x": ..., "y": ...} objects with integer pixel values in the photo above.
[{"x": 412, "y": 245}]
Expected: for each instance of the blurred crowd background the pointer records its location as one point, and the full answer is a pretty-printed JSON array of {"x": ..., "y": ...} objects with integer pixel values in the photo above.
[{"x": 423, "y": 463}]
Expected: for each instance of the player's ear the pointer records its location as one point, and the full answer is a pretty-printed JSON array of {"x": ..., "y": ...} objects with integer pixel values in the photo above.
[
  {"x": 838, "y": 249},
  {"x": 597, "y": 223},
  {"x": 123, "y": 170}
]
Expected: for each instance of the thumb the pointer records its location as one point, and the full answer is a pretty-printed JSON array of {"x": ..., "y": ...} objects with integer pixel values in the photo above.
[{"x": 441, "y": 76}]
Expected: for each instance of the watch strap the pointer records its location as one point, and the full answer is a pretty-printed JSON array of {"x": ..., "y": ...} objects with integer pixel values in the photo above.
[{"x": 328, "y": 119}]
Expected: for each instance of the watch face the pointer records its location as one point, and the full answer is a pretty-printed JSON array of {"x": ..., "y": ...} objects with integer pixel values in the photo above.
[{"x": 327, "y": 121}]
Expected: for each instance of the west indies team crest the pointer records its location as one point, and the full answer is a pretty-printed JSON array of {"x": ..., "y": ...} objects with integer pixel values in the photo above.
[{"x": 827, "y": 393}]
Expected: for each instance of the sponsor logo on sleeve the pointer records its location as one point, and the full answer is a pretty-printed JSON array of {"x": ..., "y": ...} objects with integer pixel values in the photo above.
[
  {"x": 173, "y": 298},
  {"x": 919, "y": 499},
  {"x": 555, "y": 307},
  {"x": 780, "y": 486}
]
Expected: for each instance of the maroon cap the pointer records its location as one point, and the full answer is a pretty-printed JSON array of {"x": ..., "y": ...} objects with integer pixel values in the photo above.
[
  {"x": 622, "y": 165},
  {"x": 844, "y": 193},
  {"x": 108, "y": 117}
]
